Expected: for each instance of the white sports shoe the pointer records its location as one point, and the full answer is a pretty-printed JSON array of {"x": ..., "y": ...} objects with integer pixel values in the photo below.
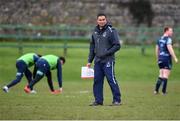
[
  {"x": 5, "y": 89},
  {"x": 155, "y": 92},
  {"x": 33, "y": 92}
]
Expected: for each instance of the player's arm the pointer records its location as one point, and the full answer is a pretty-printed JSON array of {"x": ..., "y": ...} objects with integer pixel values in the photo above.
[
  {"x": 157, "y": 51},
  {"x": 49, "y": 80},
  {"x": 171, "y": 51},
  {"x": 114, "y": 38},
  {"x": 91, "y": 52},
  {"x": 59, "y": 74}
]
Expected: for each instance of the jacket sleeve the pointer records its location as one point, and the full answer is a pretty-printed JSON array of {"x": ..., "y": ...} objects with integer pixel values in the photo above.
[
  {"x": 91, "y": 50},
  {"x": 59, "y": 73},
  {"x": 115, "y": 43}
]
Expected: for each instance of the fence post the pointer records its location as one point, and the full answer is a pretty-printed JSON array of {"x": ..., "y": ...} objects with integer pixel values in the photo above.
[
  {"x": 142, "y": 38},
  {"x": 67, "y": 33},
  {"x": 143, "y": 46},
  {"x": 65, "y": 48},
  {"x": 20, "y": 43}
]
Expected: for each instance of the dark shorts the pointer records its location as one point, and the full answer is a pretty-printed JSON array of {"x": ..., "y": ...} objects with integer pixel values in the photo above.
[{"x": 165, "y": 64}]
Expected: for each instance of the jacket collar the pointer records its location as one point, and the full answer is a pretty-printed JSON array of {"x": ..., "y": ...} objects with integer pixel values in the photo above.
[{"x": 97, "y": 29}]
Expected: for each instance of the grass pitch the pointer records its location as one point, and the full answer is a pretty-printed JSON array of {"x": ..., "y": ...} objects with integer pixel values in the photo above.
[{"x": 135, "y": 73}]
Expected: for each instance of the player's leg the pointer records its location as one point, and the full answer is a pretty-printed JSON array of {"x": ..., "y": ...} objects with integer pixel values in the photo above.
[
  {"x": 41, "y": 70},
  {"x": 161, "y": 64},
  {"x": 28, "y": 75},
  {"x": 110, "y": 75},
  {"x": 98, "y": 84},
  {"x": 159, "y": 81},
  {"x": 21, "y": 66},
  {"x": 38, "y": 77},
  {"x": 166, "y": 73},
  {"x": 19, "y": 76}
]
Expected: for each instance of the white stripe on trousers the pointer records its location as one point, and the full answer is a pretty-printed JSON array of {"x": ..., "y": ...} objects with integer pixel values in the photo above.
[{"x": 113, "y": 73}]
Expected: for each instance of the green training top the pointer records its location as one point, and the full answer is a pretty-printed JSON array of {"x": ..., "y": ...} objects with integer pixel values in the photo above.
[
  {"x": 28, "y": 59},
  {"x": 52, "y": 60}
]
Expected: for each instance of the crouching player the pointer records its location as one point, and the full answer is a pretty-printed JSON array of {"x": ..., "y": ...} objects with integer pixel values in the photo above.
[
  {"x": 22, "y": 64},
  {"x": 44, "y": 66}
]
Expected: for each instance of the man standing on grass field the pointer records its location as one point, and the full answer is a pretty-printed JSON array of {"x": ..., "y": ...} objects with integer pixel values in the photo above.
[
  {"x": 44, "y": 66},
  {"x": 164, "y": 54},
  {"x": 22, "y": 65},
  {"x": 103, "y": 45}
]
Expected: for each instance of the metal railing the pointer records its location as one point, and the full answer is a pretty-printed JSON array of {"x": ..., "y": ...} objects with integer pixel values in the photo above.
[{"x": 21, "y": 33}]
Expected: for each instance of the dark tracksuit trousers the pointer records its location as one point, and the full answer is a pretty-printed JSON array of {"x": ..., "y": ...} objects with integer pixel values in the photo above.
[
  {"x": 43, "y": 68},
  {"x": 21, "y": 68},
  {"x": 101, "y": 70}
]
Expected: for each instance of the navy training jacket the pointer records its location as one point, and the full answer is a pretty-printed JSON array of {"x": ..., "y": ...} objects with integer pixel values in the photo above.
[{"x": 103, "y": 45}]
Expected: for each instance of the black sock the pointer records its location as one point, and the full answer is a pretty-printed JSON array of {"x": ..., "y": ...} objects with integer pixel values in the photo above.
[
  {"x": 164, "y": 85},
  {"x": 158, "y": 84}
]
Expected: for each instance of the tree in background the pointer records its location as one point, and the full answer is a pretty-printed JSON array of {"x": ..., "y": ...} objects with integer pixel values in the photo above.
[{"x": 141, "y": 11}]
